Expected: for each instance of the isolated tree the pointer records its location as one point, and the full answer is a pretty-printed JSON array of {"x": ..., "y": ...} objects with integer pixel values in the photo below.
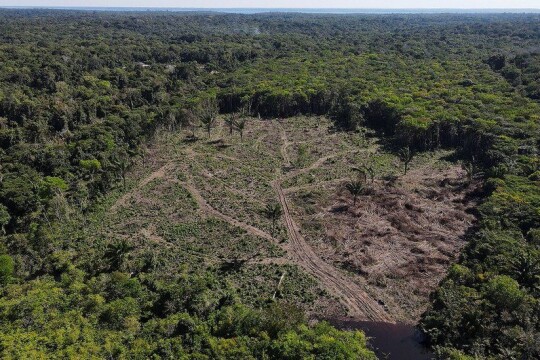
[
  {"x": 231, "y": 121},
  {"x": 355, "y": 188},
  {"x": 209, "y": 113},
  {"x": 188, "y": 119},
  {"x": 240, "y": 126},
  {"x": 366, "y": 171},
  {"x": 273, "y": 212},
  {"x": 405, "y": 156},
  {"x": 278, "y": 287}
]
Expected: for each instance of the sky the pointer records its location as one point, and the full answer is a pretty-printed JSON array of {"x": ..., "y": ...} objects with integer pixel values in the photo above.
[{"x": 351, "y": 4}]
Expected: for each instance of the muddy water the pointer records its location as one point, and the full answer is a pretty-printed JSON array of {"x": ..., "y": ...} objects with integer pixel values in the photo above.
[{"x": 389, "y": 341}]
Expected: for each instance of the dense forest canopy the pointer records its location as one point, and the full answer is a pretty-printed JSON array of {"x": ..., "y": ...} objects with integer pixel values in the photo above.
[{"x": 82, "y": 92}]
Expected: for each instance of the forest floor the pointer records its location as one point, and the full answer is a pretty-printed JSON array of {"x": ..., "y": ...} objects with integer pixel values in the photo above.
[{"x": 199, "y": 201}]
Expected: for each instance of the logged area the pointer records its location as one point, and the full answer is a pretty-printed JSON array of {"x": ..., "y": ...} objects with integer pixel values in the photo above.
[
  {"x": 204, "y": 199},
  {"x": 400, "y": 237},
  {"x": 202, "y": 185}
]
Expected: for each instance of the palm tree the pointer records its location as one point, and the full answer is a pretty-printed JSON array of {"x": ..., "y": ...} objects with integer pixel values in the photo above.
[
  {"x": 526, "y": 269},
  {"x": 208, "y": 122},
  {"x": 273, "y": 212},
  {"x": 240, "y": 126},
  {"x": 209, "y": 112},
  {"x": 355, "y": 188},
  {"x": 366, "y": 171},
  {"x": 122, "y": 164},
  {"x": 115, "y": 254}
]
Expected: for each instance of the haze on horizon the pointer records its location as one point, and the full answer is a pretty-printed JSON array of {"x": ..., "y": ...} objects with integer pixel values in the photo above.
[{"x": 331, "y": 4}]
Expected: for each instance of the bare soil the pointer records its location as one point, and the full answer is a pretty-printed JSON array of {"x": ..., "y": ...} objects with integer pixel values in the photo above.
[{"x": 400, "y": 237}]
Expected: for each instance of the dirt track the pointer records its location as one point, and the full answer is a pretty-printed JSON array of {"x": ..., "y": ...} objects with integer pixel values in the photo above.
[
  {"x": 159, "y": 173},
  {"x": 352, "y": 296},
  {"x": 358, "y": 303},
  {"x": 284, "y": 146},
  {"x": 203, "y": 204},
  {"x": 355, "y": 299}
]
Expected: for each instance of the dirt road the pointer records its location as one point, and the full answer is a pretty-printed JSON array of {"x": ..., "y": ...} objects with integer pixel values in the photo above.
[{"x": 358, "y": 303}]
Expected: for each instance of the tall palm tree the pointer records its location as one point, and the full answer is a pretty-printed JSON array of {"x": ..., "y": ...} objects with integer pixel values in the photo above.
[
  {"x": 273, "y": 212},
  {"x": 209, "y": 113},
  {"x": 355, "y": 188}
]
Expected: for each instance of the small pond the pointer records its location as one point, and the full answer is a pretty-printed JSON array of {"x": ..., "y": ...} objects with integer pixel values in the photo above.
[{"x": 389, "y": 341}]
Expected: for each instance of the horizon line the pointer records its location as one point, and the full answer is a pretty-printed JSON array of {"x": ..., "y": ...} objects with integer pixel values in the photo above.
[{"x": 259, "y": 8}]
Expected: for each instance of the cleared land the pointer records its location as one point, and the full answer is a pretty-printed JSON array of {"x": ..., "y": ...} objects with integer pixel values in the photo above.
[{"x": 200, "y": 201}]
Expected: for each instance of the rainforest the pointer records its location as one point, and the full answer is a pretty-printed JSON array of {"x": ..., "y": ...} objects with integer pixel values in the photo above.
[{"x": 201, "y": 185}]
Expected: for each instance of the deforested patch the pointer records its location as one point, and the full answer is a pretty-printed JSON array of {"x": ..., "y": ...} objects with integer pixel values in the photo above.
[{"x": 399, "y": 238}]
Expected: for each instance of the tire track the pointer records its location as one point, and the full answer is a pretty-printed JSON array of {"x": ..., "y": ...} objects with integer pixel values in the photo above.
[
  {"x": 359, "y": 304},
  {"x": 352, "y": 296},
  {"x": 159, "y": 173},
  {"x": 283, "y": 148},
  {"x": 203, "y": 204}
]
